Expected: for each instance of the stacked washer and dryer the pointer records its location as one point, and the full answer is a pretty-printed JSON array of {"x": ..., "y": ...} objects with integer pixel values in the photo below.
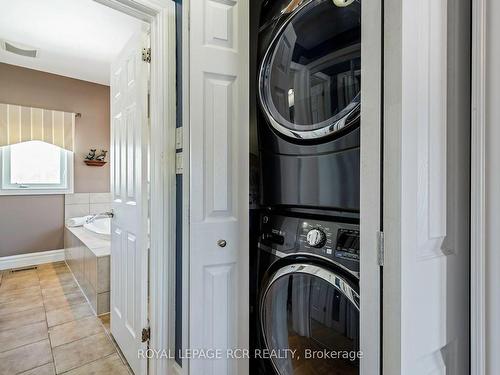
[{"x": 305, "y": 259}]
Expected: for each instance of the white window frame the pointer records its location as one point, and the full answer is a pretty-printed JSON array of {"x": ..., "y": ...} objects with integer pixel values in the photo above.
[{"x": 6, "y": 188}]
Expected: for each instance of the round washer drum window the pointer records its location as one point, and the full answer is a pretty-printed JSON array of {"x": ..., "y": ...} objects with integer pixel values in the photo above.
[
  {"x": 311, "y": 312},
  {"x": 310, "y": 78}
]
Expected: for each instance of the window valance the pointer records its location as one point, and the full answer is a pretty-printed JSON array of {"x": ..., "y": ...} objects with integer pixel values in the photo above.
[{"x": 21, "y": 124}]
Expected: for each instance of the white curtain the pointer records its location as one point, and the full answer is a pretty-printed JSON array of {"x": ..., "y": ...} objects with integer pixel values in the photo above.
[{"x": 21, "y": 124}]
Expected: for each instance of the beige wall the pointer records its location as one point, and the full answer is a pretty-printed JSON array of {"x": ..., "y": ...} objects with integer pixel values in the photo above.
[{"x": 35, "y": 223}]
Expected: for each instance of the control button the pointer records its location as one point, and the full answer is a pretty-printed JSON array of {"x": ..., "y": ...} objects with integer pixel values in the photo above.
[
  {"x": 273, "y": 238},
  {"x": 316, "y": 238},
  {"x": 277, "y": 239}
]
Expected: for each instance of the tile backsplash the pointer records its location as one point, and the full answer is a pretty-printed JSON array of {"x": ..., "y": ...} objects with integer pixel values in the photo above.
[{"x": 82, "y": 204}]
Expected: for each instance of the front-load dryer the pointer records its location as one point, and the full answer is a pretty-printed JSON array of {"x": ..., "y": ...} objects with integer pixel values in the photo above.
[
  {"x": 309, "y": 79},
  {"x": 306, "y": 306}
]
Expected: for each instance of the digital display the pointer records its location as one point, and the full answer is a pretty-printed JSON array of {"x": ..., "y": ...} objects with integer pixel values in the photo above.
[{"x": 347, "y": 244}]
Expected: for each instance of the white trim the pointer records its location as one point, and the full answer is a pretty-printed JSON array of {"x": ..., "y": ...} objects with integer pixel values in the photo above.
[
  {"x": 31, "y": 259},
  {"x": 162, "y": 256},
  {"x": 392, "y": 156},
  {"x": 478, "y": 194},
  {"x": 186, "y": 183},
  {"x": 371, "y": 175},
  {"x": 161, "y": 15}
]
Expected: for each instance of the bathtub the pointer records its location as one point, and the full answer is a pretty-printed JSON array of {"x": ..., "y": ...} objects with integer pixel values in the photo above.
[{"x": 101, "y": 227}]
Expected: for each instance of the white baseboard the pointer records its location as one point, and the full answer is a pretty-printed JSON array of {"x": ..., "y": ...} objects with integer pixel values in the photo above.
[{"x": 31, "y": 259}]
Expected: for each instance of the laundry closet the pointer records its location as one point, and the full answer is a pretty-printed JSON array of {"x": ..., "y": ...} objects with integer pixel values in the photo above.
[{"x": 305, "y": 238}]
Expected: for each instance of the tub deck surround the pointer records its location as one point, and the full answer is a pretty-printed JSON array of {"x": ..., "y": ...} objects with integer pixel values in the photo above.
[
  {"x": 99, "y": 245},
  {"x": 88, "y": 257},
  {"x": 47, "y": 326}
]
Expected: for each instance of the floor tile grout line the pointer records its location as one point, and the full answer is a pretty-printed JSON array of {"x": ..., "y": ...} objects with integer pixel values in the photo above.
[
  {"x": 20, "y": 311},
  {"x": 64, "y": 295},
  {"x": 48, "y": 339},
  {"x": 102, "y": 327},
  {"x": 83, "y": 337},
  {"x": 115, "y": 345},
  {"x": 28, "y": 287},
  {"x": 16, "y": 297},
  {"x": 62, "y": 307},
  {"x": 119, "y": 352},
  {"x": 88, "y": 363},
  {"x": 103, "y": 330},
  {"x": 32, "y": 368},
  {"x": 24, "y": 325},
  {"x": 22, "y": 346},
  {"x": 48, "y": 334}
]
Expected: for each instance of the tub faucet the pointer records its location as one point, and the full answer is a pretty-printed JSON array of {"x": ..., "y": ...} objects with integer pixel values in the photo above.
[{"x": 97, "y": 216}]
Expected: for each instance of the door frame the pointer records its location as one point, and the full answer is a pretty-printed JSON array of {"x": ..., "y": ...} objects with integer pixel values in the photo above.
[
  {"x": 478, "y": 190},
  {"x": 160, "y": 14},
  {"x": 371, "y": 187}
]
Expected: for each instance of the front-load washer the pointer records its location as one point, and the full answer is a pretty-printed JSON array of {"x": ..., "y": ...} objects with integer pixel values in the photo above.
[
  {"x": 306, "y": 313},
  {"x": 309, "y": 80}
]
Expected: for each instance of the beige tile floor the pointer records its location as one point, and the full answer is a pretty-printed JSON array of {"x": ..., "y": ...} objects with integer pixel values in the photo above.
[{"x": 47, "y": 327}]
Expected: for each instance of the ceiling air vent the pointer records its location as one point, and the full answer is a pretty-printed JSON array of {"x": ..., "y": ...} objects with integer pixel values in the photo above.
[{"x": 20, "y": 51}]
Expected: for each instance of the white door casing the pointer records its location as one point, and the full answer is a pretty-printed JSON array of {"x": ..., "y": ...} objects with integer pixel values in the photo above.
[
  {"x": 426, "y": 187},
  {"x": 219, "y": 169},
  {"x": 370, "y": 189},
  {"x": 129, "y": 249}
]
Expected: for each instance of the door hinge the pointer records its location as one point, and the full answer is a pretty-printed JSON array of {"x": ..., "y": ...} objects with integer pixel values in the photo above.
[
  {"x": 381, "y": 249},
  {"x": 146, "y": 55},
  {"x": 179, "y": 163},
  {"x": 178, "y": 138},
  {"x": 146, "y": 334}
]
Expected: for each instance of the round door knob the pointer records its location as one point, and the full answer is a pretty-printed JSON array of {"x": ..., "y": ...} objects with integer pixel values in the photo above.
[
  {"x": 316, "y": 238},
  {"x": 222, "y": 243}
]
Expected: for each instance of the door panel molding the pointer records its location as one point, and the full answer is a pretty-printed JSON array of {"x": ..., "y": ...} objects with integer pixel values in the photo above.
[
  {"x": 220, "y": 119},
  {"x": 431, "y": 121}
]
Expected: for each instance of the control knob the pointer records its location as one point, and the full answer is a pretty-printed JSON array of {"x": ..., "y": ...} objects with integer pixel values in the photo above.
[{"x": 316, "y": 238}]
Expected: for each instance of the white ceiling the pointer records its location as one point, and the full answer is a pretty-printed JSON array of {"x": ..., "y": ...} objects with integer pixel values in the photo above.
[{"x": 74, "y": 38}]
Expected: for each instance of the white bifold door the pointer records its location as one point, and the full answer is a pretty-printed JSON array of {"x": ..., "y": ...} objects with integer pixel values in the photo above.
[
  {"x": 219, "y": 153},
  {"x": 426, "y": 187},
  {"x": 129, "y": 245}
]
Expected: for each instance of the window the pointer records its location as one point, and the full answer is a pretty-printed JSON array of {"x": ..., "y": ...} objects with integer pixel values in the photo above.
[{"x": 35, "y": 168}]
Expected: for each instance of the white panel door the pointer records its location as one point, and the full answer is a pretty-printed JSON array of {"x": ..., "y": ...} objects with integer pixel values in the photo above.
[
  {"x": 129, "y": 252},
  {"x": 219, "y": 195},
  {"x": 426, "y": 205}
]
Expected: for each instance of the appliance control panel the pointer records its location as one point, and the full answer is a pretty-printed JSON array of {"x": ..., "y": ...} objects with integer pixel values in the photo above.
[{"x": 337, "y": 242}]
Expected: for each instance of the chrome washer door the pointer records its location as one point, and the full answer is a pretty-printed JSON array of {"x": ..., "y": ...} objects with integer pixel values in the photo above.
[
  {"x": 313, "y": 312},
  {"x": 310, "y": 77}
]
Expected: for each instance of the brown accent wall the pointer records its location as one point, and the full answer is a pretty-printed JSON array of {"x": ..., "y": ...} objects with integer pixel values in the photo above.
[{"x": 35, "y": 223}]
